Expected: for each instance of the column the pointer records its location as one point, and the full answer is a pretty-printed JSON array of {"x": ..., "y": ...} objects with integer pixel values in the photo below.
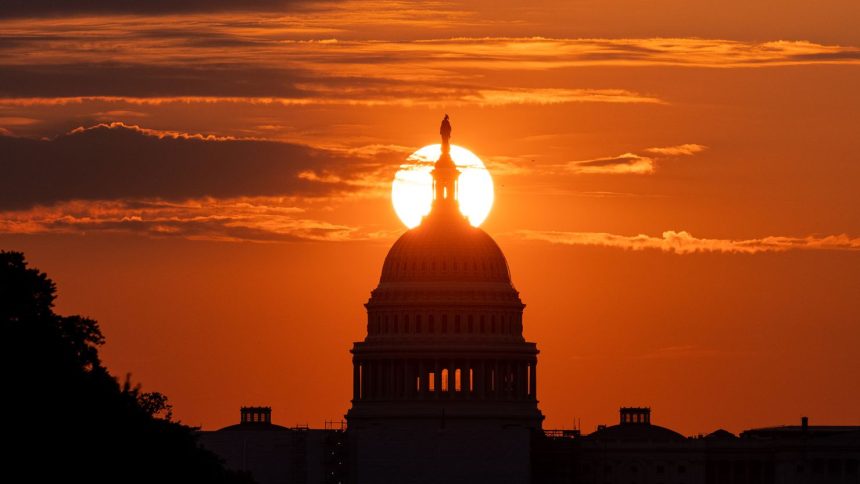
[
  {"x": 392, "y": 380},
  {"x": 367, "y": 379},
  {"x": 520, "y": 382},
  {"x": 422, "y": 375},
  {"x": 452, "y": 387},
  {"x": 496, "y": 378},
  {"x": 437, "y": 379},
  {"x": 374, "y": 379},
  {"x": 504, "y": 372},
  {"x": 533, "y": 380},
  {"x": 356, "y": 379},
  {"x": 383, "y": 380},
  {"x": 466, "y": 379},
  {"x": 377, "y": 380},
  {"x": 404, "y": 379},
  {"x": 524, "y": 391},
  {"x": 481, "y": 387}
]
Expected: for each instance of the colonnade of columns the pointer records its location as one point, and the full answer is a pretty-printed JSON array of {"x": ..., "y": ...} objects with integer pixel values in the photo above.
[{"x": 453, "y": 379}]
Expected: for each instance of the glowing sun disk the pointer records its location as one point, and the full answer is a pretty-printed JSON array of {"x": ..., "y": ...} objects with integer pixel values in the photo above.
[{"x": 412, "y": 189}]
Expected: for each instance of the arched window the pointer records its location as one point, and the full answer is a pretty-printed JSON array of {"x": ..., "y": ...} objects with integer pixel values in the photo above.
[
  {"x": 457, "y": 381},
  {"x": 431, "y": 324},
  {"x": 406, "y": 323},
  {"x": 445, "y": 380},
  {"x": 444, "y": 323},
  {"x": 418, "y": 323}
]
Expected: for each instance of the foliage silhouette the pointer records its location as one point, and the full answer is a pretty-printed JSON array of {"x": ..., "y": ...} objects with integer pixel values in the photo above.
[{"x": 67, "y": 418}]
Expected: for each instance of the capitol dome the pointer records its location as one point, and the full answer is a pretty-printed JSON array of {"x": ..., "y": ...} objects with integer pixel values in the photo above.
[
  {"x": 445, "y": 247},
  {"x": 445, "y": 280}
]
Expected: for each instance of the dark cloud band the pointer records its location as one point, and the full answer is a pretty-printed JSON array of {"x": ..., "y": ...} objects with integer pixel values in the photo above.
[
  {"x": 121, "y": 162},
  {"x": 38, "y": 8}
]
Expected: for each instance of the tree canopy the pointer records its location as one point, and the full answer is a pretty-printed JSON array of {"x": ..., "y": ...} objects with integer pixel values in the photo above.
[{"x": 67, "y": 417}]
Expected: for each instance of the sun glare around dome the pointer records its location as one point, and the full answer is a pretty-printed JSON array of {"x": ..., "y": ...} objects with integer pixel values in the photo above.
[{"x": 412, "y": 189}]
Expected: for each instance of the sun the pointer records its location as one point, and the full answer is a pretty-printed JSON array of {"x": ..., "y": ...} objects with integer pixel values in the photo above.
[{"x": 412, "y": 189}]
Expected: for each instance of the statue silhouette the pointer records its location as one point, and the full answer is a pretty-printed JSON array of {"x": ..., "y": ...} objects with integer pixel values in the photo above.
[{"x": 445, "y": 131}]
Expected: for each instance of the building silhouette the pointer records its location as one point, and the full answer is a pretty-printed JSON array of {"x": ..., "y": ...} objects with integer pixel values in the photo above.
[
  {"x": 444, "y": 391},
  {"x": 444, "y": 383}
]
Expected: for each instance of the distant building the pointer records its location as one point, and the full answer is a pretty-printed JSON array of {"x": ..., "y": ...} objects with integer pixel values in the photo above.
[
  {"x": 275, "y": 454},
  {"x": 445, "y": 391},
  {"x": 637, "y": 451}
]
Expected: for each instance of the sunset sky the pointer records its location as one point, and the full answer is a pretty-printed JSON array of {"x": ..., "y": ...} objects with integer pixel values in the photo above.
[{"x": 677, "y": 191}]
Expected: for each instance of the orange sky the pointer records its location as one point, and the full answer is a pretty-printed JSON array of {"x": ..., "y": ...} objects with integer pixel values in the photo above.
[{"x": 676, "y": 191}]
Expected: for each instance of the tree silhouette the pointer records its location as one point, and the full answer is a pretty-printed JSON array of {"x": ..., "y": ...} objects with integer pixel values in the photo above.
[{"x": 67, "y": 419}]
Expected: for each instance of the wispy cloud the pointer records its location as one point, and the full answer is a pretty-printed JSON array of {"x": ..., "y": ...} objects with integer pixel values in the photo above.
[
  {"x": 373, "y": 96},
  {"x": 682, "y": 242},
  {"x": 685, "y": 149},
  {"x": 286, "y": 60},
  {"x": 254, "y": 219},
  {"x": 155, "y": 133},
  {"x": 632, "y": 163},
  {"x": 621, "y": 164}
]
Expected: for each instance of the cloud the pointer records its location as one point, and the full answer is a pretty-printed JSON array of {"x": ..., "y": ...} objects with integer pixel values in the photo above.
[
  {"x": 621, "y": 164},
  {"x": 439, "y": 97},
  {"x": 682, "y": 242},
  {"x": 631, "y": 163},
  {"x": 39, "y": 8},
  {"x": 502, "y": 97},
  {"x": 685, "y": 149},
  {"x": 244, "y": 219},
  {"x": 114, "y": 78},
  {"x": 117, "y": 161},
  {"x": 287, "y": 60}
]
